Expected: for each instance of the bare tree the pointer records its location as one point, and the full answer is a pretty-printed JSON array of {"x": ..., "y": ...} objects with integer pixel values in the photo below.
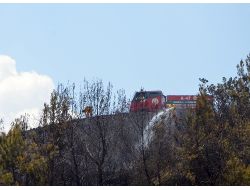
[
  {"x": 99, "y": 130},
  {"x": 140, "y": 122}
]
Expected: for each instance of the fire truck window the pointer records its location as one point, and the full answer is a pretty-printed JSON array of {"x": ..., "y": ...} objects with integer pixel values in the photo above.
[
  {"x": 139, "y": 96},
  {"x": 155, "y": 94}
]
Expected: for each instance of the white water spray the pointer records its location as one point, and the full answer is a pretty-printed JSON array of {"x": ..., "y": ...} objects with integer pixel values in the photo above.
[{"x": 163, "y": 115}]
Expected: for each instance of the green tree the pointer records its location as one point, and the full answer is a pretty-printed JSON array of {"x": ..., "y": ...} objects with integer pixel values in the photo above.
[
  {"x": 216, "y": 142},
  {"x": 21, "y": 162}
]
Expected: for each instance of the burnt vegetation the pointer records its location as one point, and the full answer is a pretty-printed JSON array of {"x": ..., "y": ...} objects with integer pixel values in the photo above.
[{"x": 206, "y": 146}]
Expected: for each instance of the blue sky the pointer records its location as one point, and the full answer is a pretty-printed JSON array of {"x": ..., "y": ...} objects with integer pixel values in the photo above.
[{"x": 155, "y": 46}]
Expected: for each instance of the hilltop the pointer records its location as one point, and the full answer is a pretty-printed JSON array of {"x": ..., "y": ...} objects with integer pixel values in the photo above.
[{"x": 205, "y": 145}]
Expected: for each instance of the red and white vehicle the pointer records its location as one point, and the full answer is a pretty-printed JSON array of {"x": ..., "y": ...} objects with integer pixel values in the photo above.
[
  {"x": 148, "y": 101},
  {"x": 155, "y": 100}
]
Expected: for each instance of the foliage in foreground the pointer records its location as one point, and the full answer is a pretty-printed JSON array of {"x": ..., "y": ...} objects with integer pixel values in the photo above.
[{"x": 207, "y": 146}]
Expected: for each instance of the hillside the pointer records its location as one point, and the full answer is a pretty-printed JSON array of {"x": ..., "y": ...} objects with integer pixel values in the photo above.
[{"x": 207, "y": 145}]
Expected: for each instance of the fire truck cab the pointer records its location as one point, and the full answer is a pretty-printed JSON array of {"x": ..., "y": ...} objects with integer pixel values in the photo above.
[{"x": 148, "y": 101}]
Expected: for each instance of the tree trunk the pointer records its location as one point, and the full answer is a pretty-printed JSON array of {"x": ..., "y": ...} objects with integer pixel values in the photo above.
[
  {"x": 100, "y": 173},
  {"x": 145, "y": 167}
]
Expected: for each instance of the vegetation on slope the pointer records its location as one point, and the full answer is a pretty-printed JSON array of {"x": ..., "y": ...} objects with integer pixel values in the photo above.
[{"x": 208, "y": 146}]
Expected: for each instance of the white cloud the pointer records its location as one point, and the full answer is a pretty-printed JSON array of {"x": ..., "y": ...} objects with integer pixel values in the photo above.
[{"x": 21, "y": 92}]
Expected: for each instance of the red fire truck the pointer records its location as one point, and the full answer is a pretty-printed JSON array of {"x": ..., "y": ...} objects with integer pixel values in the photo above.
[
  {"x": 155, "y": 100},
  {"x": 148, "y": 101}
]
